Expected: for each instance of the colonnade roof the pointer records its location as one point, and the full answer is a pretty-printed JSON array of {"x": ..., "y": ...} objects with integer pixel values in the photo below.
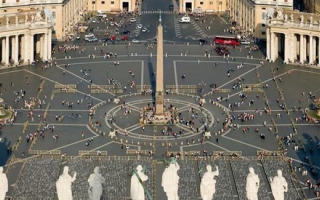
[
  {"x": 297, "y": 16},
  {"x": 22, "y": 17}
]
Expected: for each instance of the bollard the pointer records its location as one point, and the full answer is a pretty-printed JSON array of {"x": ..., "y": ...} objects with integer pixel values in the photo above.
[
  {"x": 69, "y": 57},
  {"x": 209, "y": 55},
  {"x": 187, "y": 43},
  {"x": 247, "y": 56},
  {"x": 224, "y": 55},
  {"x": 150, "y": 54},
  {"x": 136, "y": 54},
  {"x": 251, "y": 57},
  {"x": 166, "y": 55},
  {"x": 132, "y": 54},
  {"x": 95, "y": 48},
  {"x": 181, "y": 54},
  {"x": 198, "y": 61},
  {"x": 66, "y": 57},
  {"x": 185, "y": 54}
]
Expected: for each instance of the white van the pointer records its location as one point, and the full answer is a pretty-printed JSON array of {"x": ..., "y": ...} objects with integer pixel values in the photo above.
[{"x": 184, "y": 19}]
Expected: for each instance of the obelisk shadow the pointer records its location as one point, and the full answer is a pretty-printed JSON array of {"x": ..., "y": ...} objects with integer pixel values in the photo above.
[{"x": 152, "y": 77}]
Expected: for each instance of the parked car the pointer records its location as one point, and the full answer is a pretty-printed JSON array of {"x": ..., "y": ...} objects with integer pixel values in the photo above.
[
  {"x": 144, "y": 30},
  {"x": 78, "y": 37},
  {"x": 133, "y": 20},
  {"x": 111, "y": 23},
  {"x": 245, "y": 42},
  {"x": 135, "y": 41},
  {"x": 89, "y": 35},
  {"x": 125, "y": 32},
  {"x": 139, "y": 26},
  {"x": 203, "y": 41},
  {"x": 94, "y": 21},
  {"x": 125, "y": 37}
]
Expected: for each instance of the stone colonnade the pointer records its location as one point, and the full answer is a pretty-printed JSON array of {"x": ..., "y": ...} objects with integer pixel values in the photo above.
[
  {"x": 294, "y": 46},
  {"x": 24, "y": 47}
]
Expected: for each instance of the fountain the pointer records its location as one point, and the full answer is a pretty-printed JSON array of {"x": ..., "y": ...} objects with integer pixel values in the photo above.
[
  {"x": 315, "y": 112},
  {"x": 4, "y": 114}
]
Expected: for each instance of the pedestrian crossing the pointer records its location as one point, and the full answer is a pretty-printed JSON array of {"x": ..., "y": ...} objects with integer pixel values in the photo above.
[
  {"x": 157, "y": 12},
  {"x": 198, "y": 29},
  {"x": 177, "y": 27}
]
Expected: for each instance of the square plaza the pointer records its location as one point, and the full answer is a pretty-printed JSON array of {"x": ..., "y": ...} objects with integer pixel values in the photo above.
[{"x": 68, "y": 92}]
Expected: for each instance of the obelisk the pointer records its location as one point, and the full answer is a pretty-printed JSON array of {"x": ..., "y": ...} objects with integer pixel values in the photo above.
[{"x": 159, "y": 72}]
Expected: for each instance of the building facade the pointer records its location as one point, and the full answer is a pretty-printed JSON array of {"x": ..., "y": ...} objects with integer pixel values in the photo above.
[
  {"x": 112, "y": 5},
  {"x": 64, "y": 14},
  {"x": 25, "y": 37},
  {"x": 199, "y": 6},
  {"x": 294, "y": 36},
  {"x": 251, "y": 15}
]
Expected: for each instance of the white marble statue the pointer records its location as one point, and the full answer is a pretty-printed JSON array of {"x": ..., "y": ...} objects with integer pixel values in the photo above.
[
  {"x": 95, "y": 185},
  {"x": 279, "y": 185},
  {"x": 286, "y": 18},
  {"x": 17, "y": 20},
  {"x": 26, "y": 18},
  {"x": 3, "y": 184},
  {"x": 311, "y": 21},
  {"x": 7, "y": 20},
  {"x": 301, "y": 18},
  {"x": 32, "y": 18},
  {"x": 136, "y": 190},
  {"x": 253, "y": 184},
  {"x": 279, "y": 14},
  {"x": 170, "y": 181},
  {"x": 64, "y": 184},
  {"x": 291, "y": 17},
  {"x": 38, "y": 16},
  {"x": 208, "y": 183}
]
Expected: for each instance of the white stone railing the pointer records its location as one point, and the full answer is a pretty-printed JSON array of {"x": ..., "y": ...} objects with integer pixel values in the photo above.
[
  {"x": 24, "y": 26},
  {"x": 23, "y": 3},
  {"x": 295, "y": 24}
]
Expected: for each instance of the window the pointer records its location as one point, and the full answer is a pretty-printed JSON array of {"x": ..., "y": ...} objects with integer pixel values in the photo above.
[
  {"x": 286, "y": 1},
  {"x": 53, "y": 7},
  {"x": 17, "y": 1},
  {"x": 93, "y": 2},
  {"x": 3, "y": 1},
  {"x": 263, "y": 25},
  {"x": 201, "y": 3},
  {"x": 112, "y": 2},
  {"x": 263, "y": 33},
  {"x": 211, "y": 2},
  {"x": 263, "y": 8},
  {"x": 53, "y": 14},
  {"x": 102, "y": 2},
  {"x": 264, "y": 16}
]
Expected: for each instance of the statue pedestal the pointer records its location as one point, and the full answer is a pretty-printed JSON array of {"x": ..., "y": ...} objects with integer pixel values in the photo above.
[
  {"x": 112, "y": 134},
  {"x": 152, "y": 119},
  {"x": 207, "y": 134}
]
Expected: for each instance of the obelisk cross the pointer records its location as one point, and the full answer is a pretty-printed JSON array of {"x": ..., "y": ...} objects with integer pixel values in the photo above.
[{"x": 159, "y": 72}]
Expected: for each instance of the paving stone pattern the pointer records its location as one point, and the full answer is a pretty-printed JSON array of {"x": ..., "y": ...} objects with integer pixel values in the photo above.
[
  {"x": 240, "y": 172},
  {"x": 37, "y": 180},
  {"x": 83, "y": 168},
  {"x": 271, "y": 167},
  {"x": 187, "y": 189},
  {"x": 223, "y": 182}
]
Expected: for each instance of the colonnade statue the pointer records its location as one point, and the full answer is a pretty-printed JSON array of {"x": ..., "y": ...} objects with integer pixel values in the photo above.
[
  {"x": 95, "y": 185},
  {"x": 64, "y": 184},
  {"x": 136, "y": 189},
  {"x": 253, "y": 184},
  {"x": 170, "y": 181},
  {"x": 3, "y": 184},
  {"x": 208, "y": 183},
  {"x": 279, "y": 185}
]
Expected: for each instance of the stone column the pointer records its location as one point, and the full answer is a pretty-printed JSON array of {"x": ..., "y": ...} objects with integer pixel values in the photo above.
[
  {"x": 287, "y": 46},
  {"x": 269, "y": 42},
  {"x": 38, "y": 44},
  {"x": 45, "y": 47},
  {"x": 41, "y": 50},
  {"x": 13, "y": 48},
  {"x": 21, "y": 47},
  {"x": 16, "y": 49},
  {"x": 301, "y": 45},
  {"x": 273, "y": 48},
  {"x": 26, "y": 45},
  {"x": 318, "y": 50},
  {"x": 49, "y": 44},
  {"x": 314, "y": 48},
  {"x": 31, "y": 55},
  {"x": 304, "y": 48},
  {"x": 294, "y": 47},
  {"x": 3, "y": 56},
  {"x": 7, "y": 50},
  {"x": 311, "y": 49}
]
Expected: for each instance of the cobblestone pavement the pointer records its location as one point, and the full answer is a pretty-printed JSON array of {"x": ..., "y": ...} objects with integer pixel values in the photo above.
[{"x": 69, "y": 82}]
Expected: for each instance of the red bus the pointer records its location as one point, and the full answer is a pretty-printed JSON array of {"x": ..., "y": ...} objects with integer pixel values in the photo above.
[{"x": 226, "y": 40}]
